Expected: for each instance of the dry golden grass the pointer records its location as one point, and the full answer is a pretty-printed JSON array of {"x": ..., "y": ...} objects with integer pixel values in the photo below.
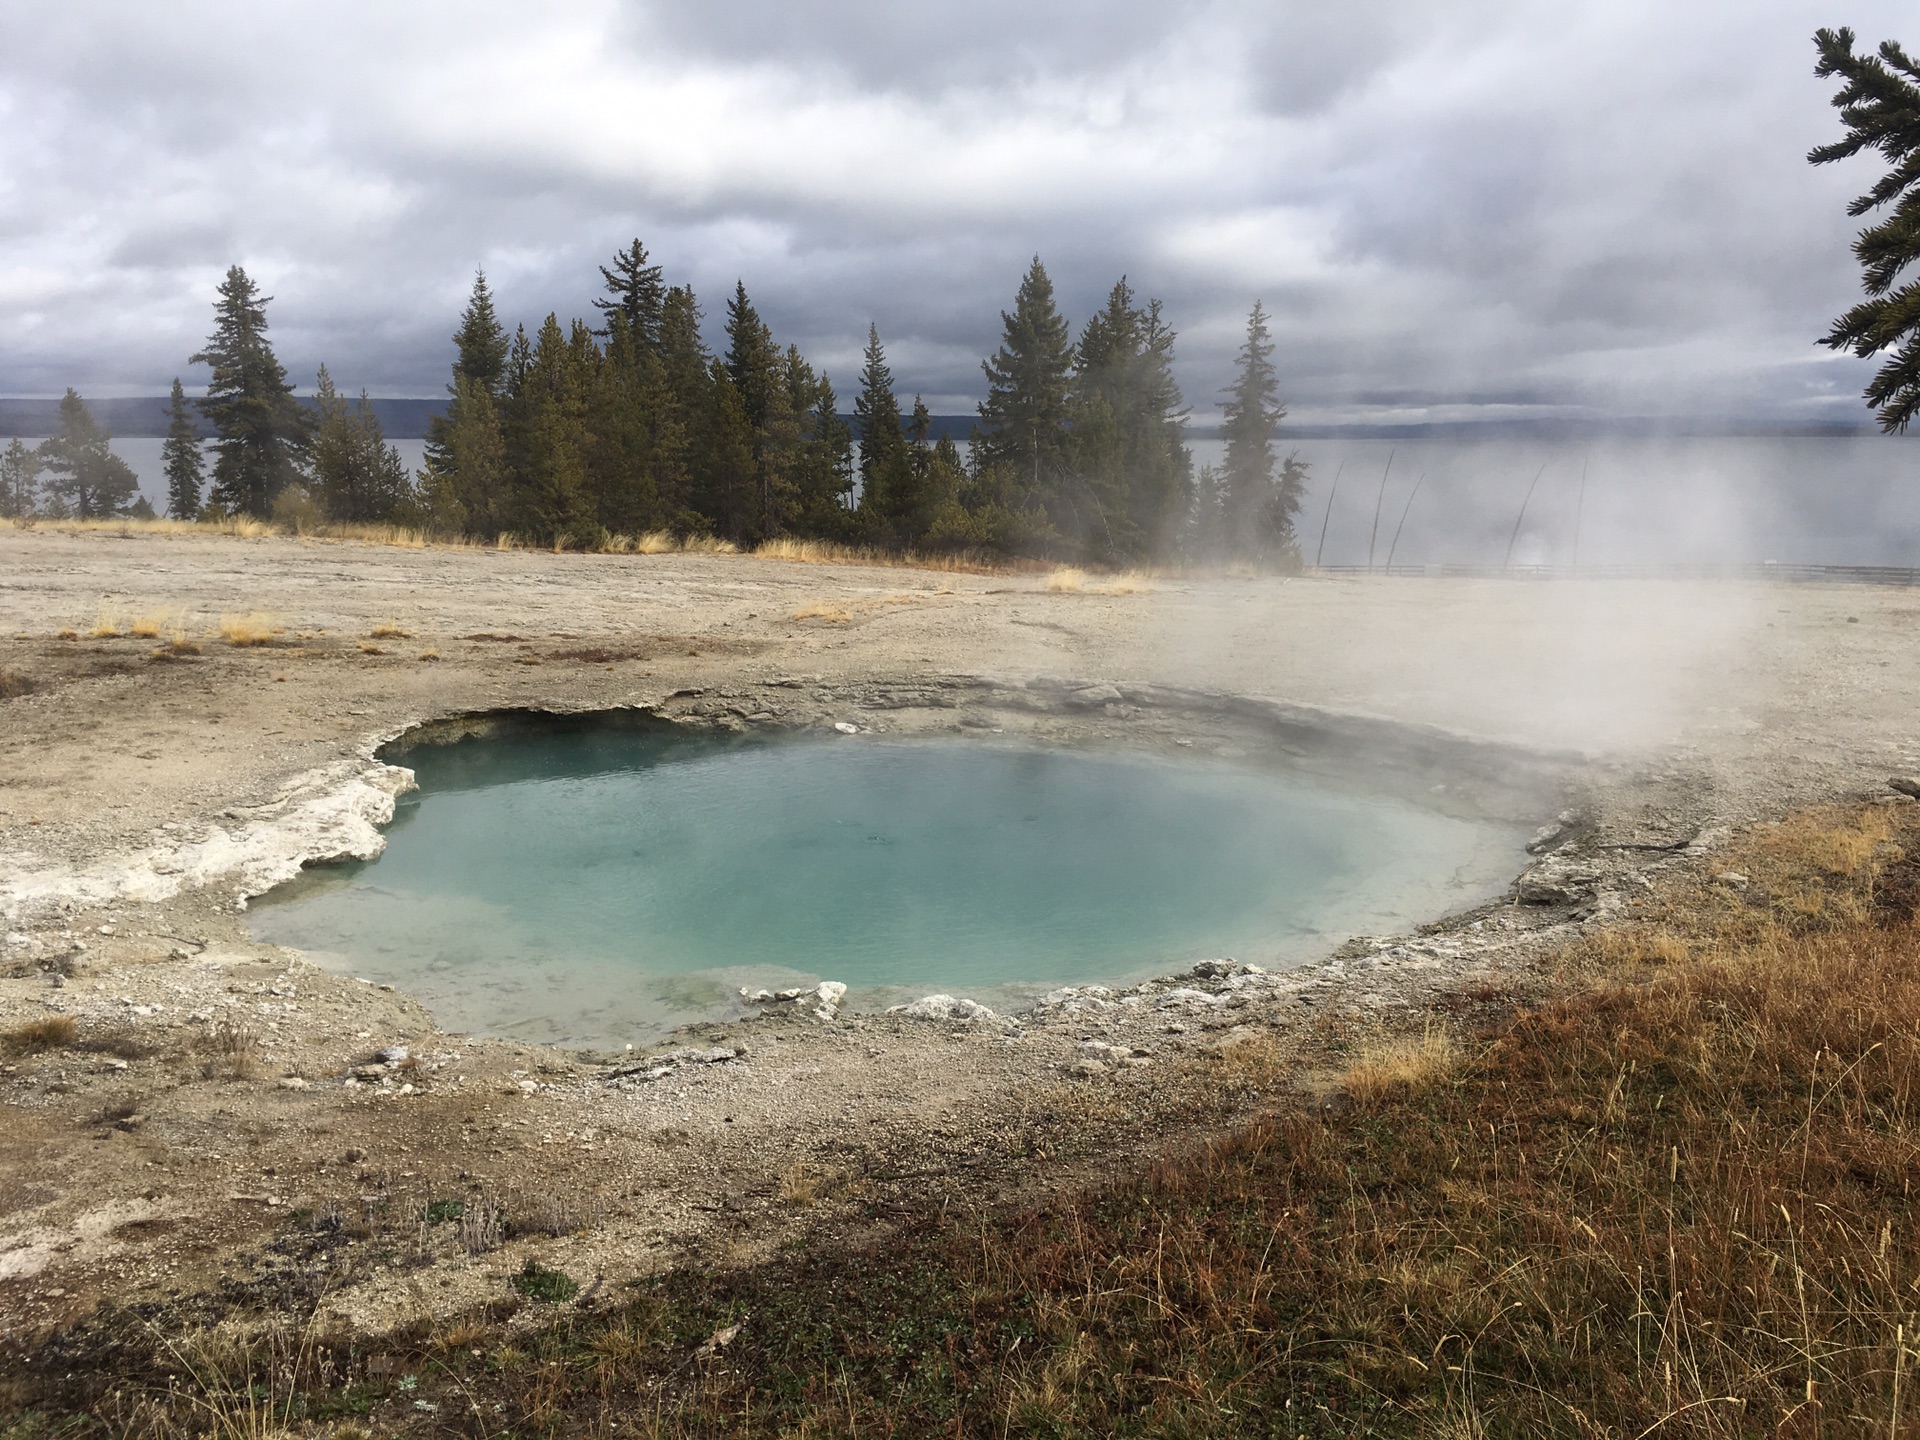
[
  {"x": 389, "y": 630},
  {"x": 829, "y": 552},
  {"x": 49, "y": 1033},
  {"x": 255, "y": 628},
  {"x": 429, "y": 654},
  {"x": 1070, "y": 580},
  {"x": 825, "y": 610},
  {"x": 1400, "y": 1064},
  {"x": 803, "y": 1185},
  {"x": 106, "y": 623},
  {"x": 367, "y": 647},
  {"x": 154, "y": 623}
]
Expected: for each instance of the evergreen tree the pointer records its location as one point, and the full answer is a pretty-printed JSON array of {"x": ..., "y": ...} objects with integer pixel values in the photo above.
[
  {"x": 822, "y": 481},
  {"x": 885, "y": 476},
  {"x": 1257, "y": 505},
  {"x": 759, "y": 373},
  {"x": 1025, "y": 417},
  {"x": 463, "y": 485},
  {"x": 181, "y": 459},
  {"x": 637, "y": 293},
  {"x": 554, "y": 500},
  {"x": 688, "y": 385},
  {"x": 731, "y": 489},
  {"x": 358, "y": 477},
  {"x": 1879, "y": 102},
  {"x": 261, "y": 431},
  {"x": 19, "y": 480},
  {"x": 1130, "y": 426},
  {"x": 618, "y": 422},
  {"x": 86, "y": 478}
]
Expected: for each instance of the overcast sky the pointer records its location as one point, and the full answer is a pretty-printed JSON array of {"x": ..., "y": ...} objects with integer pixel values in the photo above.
[{"x": 1465, "y": 208}]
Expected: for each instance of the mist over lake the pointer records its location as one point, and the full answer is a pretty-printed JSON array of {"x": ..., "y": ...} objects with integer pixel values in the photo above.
[{"x": 1843, "y": 500}]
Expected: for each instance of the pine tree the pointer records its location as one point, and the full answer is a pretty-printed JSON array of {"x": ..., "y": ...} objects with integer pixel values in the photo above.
[
  {"x": 730, "y": 490},
  {"x": 19, "y": 480},
  {"x": 261, "y": 431},
  {"x": 1130, "y": 426},
  {"x": 358, "y": 477},
  {"x": 87, "y": 479},
  {"x": 822, "y": 481},
  {"x": 555, "y": 502},
  {"x": 1025, "y": 417},
  {"x": 755, "y": 366},
  {"x": 1880, "y": 104},
  {"x": 1257, "y": 506},
  {"x": 885, "y": 476},
  {"x": 181, "y": 459},
  {"x": 621, "y": 433},
  {"x": 462, "y": 487},
  {"x": 638, "y": 293}
]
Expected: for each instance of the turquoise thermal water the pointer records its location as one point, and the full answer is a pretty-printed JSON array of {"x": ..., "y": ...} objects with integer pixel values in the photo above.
[{"x": 604, "y": 885}]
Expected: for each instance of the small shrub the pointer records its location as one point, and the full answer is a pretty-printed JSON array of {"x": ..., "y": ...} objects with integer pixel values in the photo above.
[
  {"x": 368, "y": 648},
  {"x": 236, "y": 1052},
  {"x": 389, "y": 631},
  {"x": 439, "y": 1212},
  {"x": 106, "y": 624},
  {"x": 536, "y": 1282},
  {"x": 49, "y": 1033},
  {"x": 14, "y": 684},
  {"x": 429, "y": 654},
  {"x": 1067, "y": 581}
]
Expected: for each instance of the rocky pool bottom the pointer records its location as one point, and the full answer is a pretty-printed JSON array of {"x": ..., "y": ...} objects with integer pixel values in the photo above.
[{"x": 601, "y": 886}]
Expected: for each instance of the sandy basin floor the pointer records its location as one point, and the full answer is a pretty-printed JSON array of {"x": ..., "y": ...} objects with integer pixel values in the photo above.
[{"x": 220, "y": 1139}]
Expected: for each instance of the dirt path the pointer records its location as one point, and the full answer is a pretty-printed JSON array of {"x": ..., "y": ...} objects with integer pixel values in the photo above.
[{"x": 218, "y": 1130}]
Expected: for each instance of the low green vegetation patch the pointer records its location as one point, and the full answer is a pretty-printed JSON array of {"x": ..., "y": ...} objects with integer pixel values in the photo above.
[{"x": 537, "y": 1282}]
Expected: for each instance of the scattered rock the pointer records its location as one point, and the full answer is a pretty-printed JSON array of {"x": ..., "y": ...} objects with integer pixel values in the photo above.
[
  {"x": 1090, "y": 1069},
  {"x": 294, "y": 1082},
  {"x": 391, "y": 1054},
  {"x": 1557, "y": 882},
  {"x": 846, "y": 729},
  {"x": 1908, "y": 785},
  {"x": 1092, "y": 697},
  {"x": 943, "y": 1007}
]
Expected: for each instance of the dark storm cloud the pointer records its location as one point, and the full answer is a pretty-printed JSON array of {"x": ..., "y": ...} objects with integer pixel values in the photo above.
[{"x": 1599, "y": 206}]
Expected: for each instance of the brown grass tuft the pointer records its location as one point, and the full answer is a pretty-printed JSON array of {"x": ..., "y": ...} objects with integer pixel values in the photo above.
[
  {"x": 1399, "y": 1065},
  {"x": 106, "y": 624},
  {"x": 15, "y": 683},
  {"x": 389, "y": 631},
  {"x": 803, "y": 1185},
  {"x": 823, "y": 610},
  {"x": 1066, "y": 581},
  {"x": 254, "y": 629},
  {"x": 50, "y": 1033}
]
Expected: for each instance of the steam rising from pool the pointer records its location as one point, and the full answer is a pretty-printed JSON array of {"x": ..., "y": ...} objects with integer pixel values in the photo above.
[{"x": 604, "y": 886}]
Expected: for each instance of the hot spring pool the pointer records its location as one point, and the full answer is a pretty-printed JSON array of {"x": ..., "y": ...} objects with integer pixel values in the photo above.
[{"x": 601, "y": 886}]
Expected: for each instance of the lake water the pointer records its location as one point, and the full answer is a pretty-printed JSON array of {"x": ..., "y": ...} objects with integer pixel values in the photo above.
[{"x": 605, "y": 886}]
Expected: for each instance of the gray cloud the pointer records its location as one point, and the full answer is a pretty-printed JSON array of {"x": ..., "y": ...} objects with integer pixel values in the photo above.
[{"x": 1597, "y": 207}]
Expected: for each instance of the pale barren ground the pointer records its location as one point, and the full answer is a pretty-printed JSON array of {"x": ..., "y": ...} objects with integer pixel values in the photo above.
[{"x": 147, "y": 1163}]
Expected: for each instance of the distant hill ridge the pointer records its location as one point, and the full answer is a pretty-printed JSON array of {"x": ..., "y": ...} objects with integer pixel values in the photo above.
[{"x": 145, "y": 417}]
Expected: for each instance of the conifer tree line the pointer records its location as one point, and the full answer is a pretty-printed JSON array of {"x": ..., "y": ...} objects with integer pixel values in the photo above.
[{"x": 627, "y": 423}]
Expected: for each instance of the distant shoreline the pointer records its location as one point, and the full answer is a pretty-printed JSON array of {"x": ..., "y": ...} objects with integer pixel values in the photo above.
[{"x": 145, "y": 417}]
